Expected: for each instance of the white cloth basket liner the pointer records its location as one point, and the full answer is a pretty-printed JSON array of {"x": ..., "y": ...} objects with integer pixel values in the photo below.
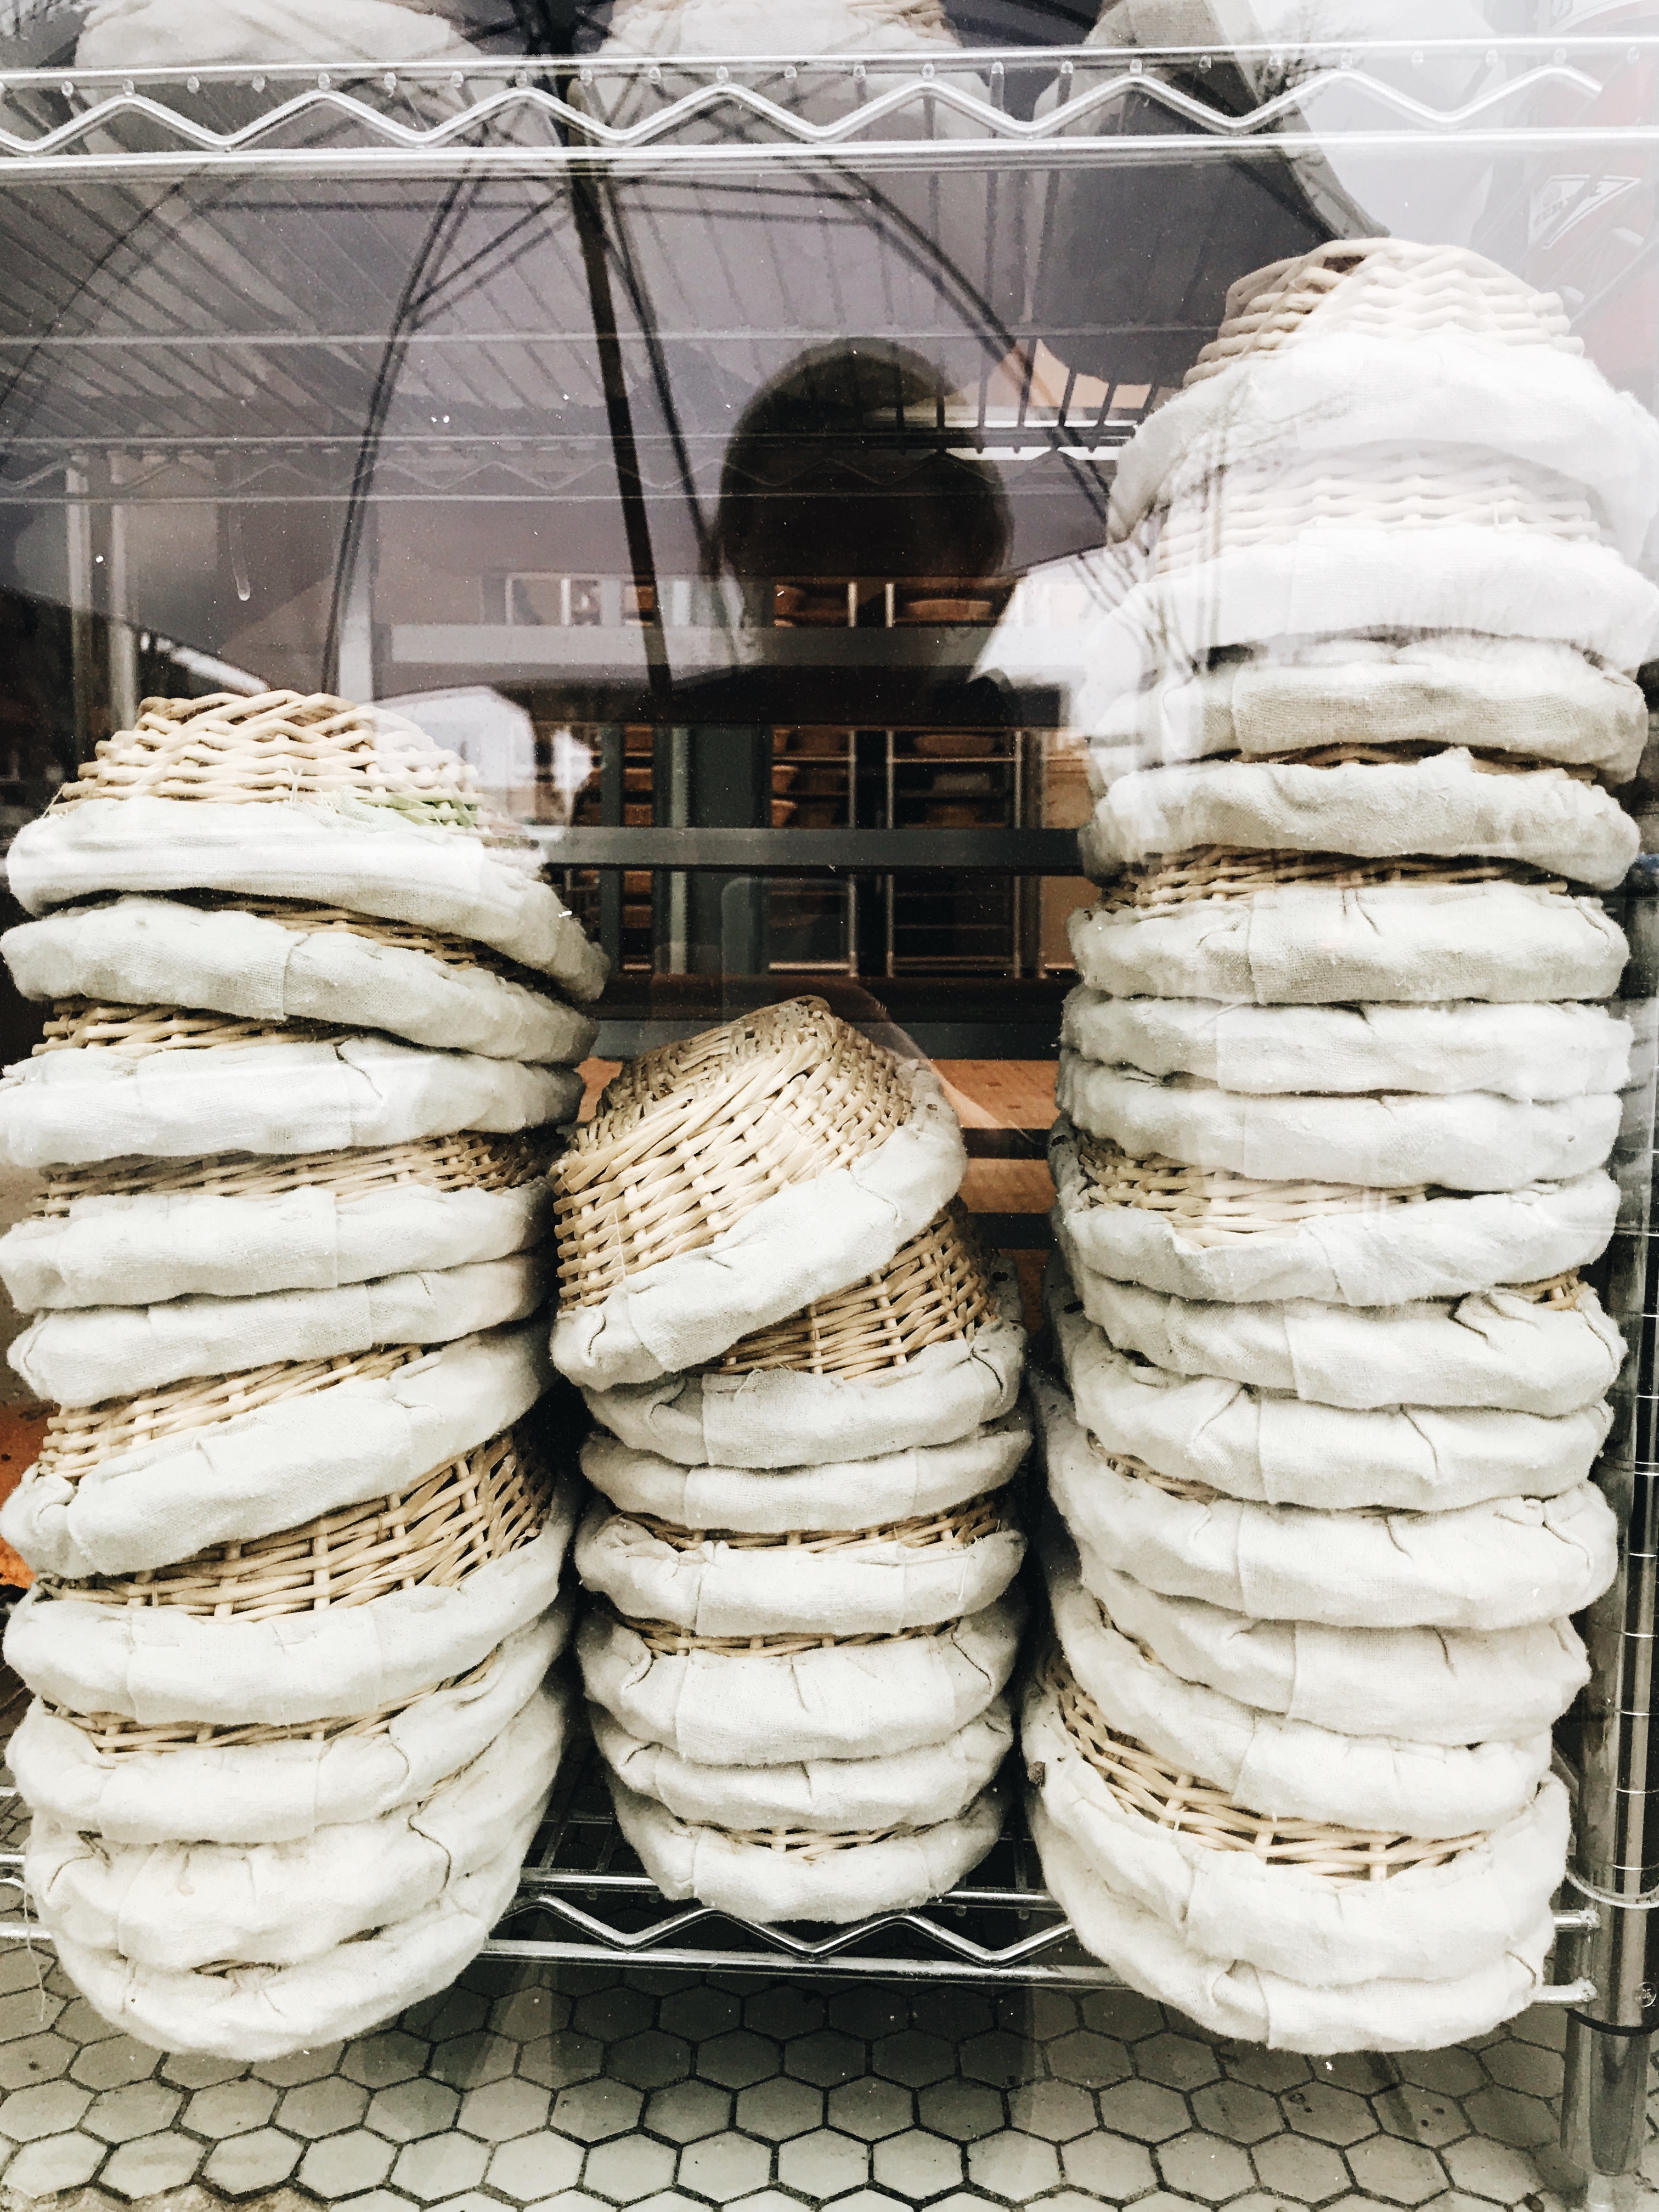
[
  {"x": 766, "y": 1419},
  {"x": 1315, "y": 944},
  {"x": 720, "y": 1590},
  {"x": 1522, "y": 1052},
  {"x": 347, "y": 853},
  {"x": 1424, "y": 1923},
  {"x": 928, "y": 1782},
  {"x": 156, "y": 952},
  {"x": 279, "y": 1465},
  {"x": 1435, "y": 1247},
  {"x": 1497, "y": 1564},
  {"x": 758, "y": 1883},
  {"x": 277, "y": 1793},
  {"x": 1276, "y": 1450},
  {"x": 156, "y": 1663},
  {"x": 121, "y": 1350},
  {"x": 125, "y": 34},
  {"x": 1286, "y": 1769},
  {"x": 858, "y": 1493},
  {"x": 155, "y": 1245},
  {"x": 832, "y": 1701},
  {"x": 1471, "y": 1141},
  {"x": 190, "y": 1905},
  {"x": 807, "y": 1241},
  {"x": 84, "y": 1104}
]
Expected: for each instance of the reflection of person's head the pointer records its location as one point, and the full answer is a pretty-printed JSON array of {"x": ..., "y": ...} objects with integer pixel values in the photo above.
[{"x": 836, "y": 469}]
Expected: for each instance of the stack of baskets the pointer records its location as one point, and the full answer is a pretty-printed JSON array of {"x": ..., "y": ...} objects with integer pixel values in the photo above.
[
  {"x": 1337, "y": 1092},
  {"x": 295, "y": 1530},
  {"x": 805, "y": 1376}
]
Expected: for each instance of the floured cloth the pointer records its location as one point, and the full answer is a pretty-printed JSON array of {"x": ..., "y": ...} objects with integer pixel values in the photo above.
[
  {"x": 116, "y": 1352},
  {"x": 1506, "y": 695},
  {"x": 159, "y": 1663},
  {"x": 1423, "y": 1922},
  {"x": 1275, "y": 1449},
  {"x": 756, "y": 1880},
  {"x": 875, "y": 1588},
  {"x": 767, "y": 1418},
  {"x": 1497, "y": 1348},
  {"x": 278, "y": 1465},
  {"x": 1284, "y": 1769},
  {"x": 160, "y": 952},
  {"x": 353, "y": 854},
  {"x": 1371, "y": 1255},
  {"x": 1524, "y": 1052},
  {"x": 268, "y": 2011},
  {"x": 150, "y": 33},
  {"x": 1228, "y": 1998},
  {"x": 915, "y": 1788},
  {"x": 858, "y": 1493},
  {"x": 808, "y": 1240},
  {"x": 1472, "y": 1140},
  {"x": 1431, "y": 1685},
  {"x": 141, "y": 1247},
  {"x": 288, "y": 1095},
  {"x": 1314, "y": 944},
  {"x": 1446, "y": 805},
  {"x": 189, "y": 1905},
  {"x": 824, "y": 1701},
  {"x": 1500, "y": 1563},
  {"x": 1344, "y": 392},
  {"x": 280, "y": 1791}
]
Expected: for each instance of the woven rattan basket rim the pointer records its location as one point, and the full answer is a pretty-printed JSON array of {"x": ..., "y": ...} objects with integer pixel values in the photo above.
[
  {"x": 1159, "y": 1792},
  {"x": 457, "y": 1518},
  {"x": 1136, "y": 1470},
  {"x": 1236, "y": 872},
  {"x": 667, "y": 1641},
  {"x": 112, "y": 1735},
  {"x": 1213, "y": 1205},
  {"x": 692, "y": 1136},
  {"x": 952, "y": 1529},
  {"x": 279, "y": 745},
  {"x": 80, "y": 1437},
  {"x": 809, "y": 1844},
  {"x": 467, "y": 1160},
  {"x": 135, "y": 1032},
  {"x": 935, "y": 1289}
]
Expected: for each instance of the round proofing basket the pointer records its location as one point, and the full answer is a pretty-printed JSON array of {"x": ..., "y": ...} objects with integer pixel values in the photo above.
[
  {"x": 109, "y": 1081},
  {"x": 287, "y": 797},
  {"x": 279, "y": 960},
  {"x": 877, "y": 1580},
  {"x": 775, "y": 1701},
  {"x": 1528, "y": 1053},
  {"x": 133, "y": 1484},
  {"x": 1283, "y": 1768},
  {"x": 234, "y": 1224},
  {"x": 729, "y": 1181},
  {"x": 1268, "y": 930},
  {"x": 916, "y": 1788},
  {"x": 893, "y": 1486},
  {"x": 1314, "y": 1902},
  {"x": 766, "y": 1418},
  {"x": 1473, "y": 1140},
  {"x": 1206, "y": 1233},
  {"x": 1276, "y": 1450},
  {"x": 102, "y": 1774},
  {"x": 190, "y": 1905},
  {"x": 803, "y": 1874}
]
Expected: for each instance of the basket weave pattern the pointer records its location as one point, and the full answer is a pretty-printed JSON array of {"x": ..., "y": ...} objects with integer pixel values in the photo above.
[
  {"x": 134, "y": 1032},
  {"x": 479, "y": 1508},
  {"x": 952, "y": 1529},
  {"x": 666, "y": 1641},
  {"x": 1237, "y": 872},
  {"x": 933, "y": 1290},
  {"x": 1158, "y": 1791},
  {"x": 1212, "y": 1205},
  {"x": 694, "y": 1136}
]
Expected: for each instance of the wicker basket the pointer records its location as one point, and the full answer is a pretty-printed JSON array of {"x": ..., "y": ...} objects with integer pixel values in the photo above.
[
  {"x": 460, "y": 1517},
  {"x": 306, "y": 918},
  {"x": 280, "y": 745},
  {"x": 694, "y": 1136},
  {"x": 934, "y": 1289},
  {"x": 1212, "y": 1206},
  {"x": 666, "y": 1641},
  {"x": 1145, "y": 1785},
  {"x": 958, "y": 1526},
  {"x": 1387, "y": 288},
  {"x": 1238, "y": 871},
  {"x": 134, "y": 1032}
]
